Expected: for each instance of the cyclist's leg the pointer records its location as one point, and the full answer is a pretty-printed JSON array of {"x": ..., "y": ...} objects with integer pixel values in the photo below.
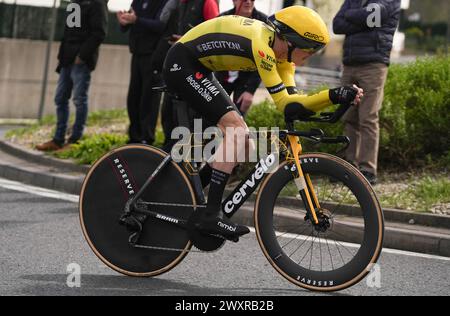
[{"x": 197, "y": 85}]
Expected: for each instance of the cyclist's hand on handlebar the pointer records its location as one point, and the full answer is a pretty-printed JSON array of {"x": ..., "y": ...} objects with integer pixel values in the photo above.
[
  {"x": 346, "y": 95},
  {"x": 296, "y": 111}
]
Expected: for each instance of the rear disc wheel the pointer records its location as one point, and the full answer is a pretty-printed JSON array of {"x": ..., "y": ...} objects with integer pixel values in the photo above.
[{"x": 110, "y": 183}]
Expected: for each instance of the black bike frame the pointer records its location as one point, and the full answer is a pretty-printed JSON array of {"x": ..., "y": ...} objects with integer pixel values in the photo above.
[
  {"x": 240, "y": 194},
  {"x": 244, "y": 190},
  {"x": 232, "y": 203}
]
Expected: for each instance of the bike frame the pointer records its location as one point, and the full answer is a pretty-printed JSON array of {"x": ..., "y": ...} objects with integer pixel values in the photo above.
[{"x": 244, "y": 190}]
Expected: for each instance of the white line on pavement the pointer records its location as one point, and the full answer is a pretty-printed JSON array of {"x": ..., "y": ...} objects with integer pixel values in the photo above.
[
  {"x": 350, "y": 245},
  {"x": 17, "y": 186}
]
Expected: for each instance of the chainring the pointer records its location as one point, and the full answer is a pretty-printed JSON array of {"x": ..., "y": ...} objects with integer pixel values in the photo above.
[{"x": 202, "y": 241}]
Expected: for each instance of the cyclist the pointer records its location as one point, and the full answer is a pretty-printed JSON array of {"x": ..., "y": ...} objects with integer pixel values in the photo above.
[{"x": 230, "y": 43}]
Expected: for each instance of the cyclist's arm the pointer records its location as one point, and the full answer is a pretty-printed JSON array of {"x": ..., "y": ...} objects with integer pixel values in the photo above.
[
  {"x": 286, "y": 70},
  {"x": 279, "y": 81}
]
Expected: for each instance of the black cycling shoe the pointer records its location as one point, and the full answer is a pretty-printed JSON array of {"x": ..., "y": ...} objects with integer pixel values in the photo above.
[{"x": 222, "y": 227}]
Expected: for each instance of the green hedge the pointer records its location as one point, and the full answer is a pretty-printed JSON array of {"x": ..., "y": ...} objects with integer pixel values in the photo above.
[
  {"x": 92, "y": 148},
  {"x": 415, "y": 119}
]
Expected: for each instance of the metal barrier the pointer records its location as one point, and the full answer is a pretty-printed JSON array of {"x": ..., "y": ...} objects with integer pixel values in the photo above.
[{"x": 308, "y": 78}]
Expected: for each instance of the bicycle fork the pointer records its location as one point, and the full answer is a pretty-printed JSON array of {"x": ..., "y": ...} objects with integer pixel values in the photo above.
[{"x": 303, "y": 182}]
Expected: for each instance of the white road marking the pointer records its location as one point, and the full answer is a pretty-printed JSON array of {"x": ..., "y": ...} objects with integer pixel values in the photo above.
[
  {"x": 17, "y": 186},
  {"x": 350, "y": 245}
]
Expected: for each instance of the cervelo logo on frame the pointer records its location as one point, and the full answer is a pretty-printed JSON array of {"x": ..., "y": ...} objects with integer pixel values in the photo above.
[{"x": 263, "y": 167}]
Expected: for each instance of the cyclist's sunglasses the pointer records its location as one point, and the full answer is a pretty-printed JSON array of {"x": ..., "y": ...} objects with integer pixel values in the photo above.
[{"x": 303, "y": 44}]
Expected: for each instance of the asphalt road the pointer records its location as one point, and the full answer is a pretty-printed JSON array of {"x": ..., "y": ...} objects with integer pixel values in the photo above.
[{"x": 40, "y": 236}]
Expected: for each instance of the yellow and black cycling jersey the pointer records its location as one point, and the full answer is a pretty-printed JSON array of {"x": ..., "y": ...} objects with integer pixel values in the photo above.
[{"x": 242, "y": 44}]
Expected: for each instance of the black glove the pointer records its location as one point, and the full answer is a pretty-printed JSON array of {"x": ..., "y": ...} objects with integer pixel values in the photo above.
[
  {"x": 296, "y": 111},
  {"x": 343, "y": 95}
]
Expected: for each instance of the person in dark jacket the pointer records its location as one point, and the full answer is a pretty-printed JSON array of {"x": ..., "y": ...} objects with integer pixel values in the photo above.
[
  {"x": 145, "y": 28},
  {"x": 78, "y": 55},
  {"x": 180, "y": 17},
  {"x": 243, "y": 85},
  {"x": 367, "y": 50}
]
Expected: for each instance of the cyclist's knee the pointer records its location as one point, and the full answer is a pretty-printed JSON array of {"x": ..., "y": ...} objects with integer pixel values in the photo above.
[
  {"x": 239, "y": 133},
  {"x": 231, "y": 120}
]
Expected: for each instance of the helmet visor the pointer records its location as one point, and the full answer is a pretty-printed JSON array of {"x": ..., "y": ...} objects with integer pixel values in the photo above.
[{"x": 302, "y": 43}]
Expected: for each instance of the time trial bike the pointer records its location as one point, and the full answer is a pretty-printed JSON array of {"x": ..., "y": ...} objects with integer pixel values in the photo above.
[{"x": 316, "y": 218}]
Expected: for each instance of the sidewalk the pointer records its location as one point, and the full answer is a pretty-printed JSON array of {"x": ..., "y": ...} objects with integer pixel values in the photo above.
[{"x": 429, "y": 234}]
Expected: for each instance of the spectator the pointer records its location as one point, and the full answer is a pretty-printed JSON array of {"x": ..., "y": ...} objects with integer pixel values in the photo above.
[
  {"x": 243, "y": 85},
  {"x": 145, "y": 28},
  {"x": 78, "y": 55},
  {"x": 288, "y": 3},
  {"x": 366, "y": 59},
  {"x": 185, "y": 15}
]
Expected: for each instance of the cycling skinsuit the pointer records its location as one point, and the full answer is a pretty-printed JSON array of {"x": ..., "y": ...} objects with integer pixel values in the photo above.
[{"x": 231, "y": 43}]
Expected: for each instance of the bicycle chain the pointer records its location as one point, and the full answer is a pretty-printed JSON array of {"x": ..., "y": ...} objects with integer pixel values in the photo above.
[{"x": 180, "y": 250}]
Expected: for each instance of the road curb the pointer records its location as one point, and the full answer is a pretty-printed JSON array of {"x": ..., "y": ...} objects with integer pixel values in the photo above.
[
  {"x": 394, "y": 238},
  {"x": 390, "y": 215},
  {"x": 58, "y": 182},
  {"x": 41, "y": 158}
]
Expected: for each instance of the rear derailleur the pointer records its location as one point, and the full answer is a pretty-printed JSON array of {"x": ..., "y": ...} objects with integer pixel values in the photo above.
[{"x": 133, "y": 221}]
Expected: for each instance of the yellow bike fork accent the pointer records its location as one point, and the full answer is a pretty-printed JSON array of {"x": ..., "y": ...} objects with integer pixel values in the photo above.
[
  {"x": 300, "y": 181},
  {"x": 311, "y": 188}
]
